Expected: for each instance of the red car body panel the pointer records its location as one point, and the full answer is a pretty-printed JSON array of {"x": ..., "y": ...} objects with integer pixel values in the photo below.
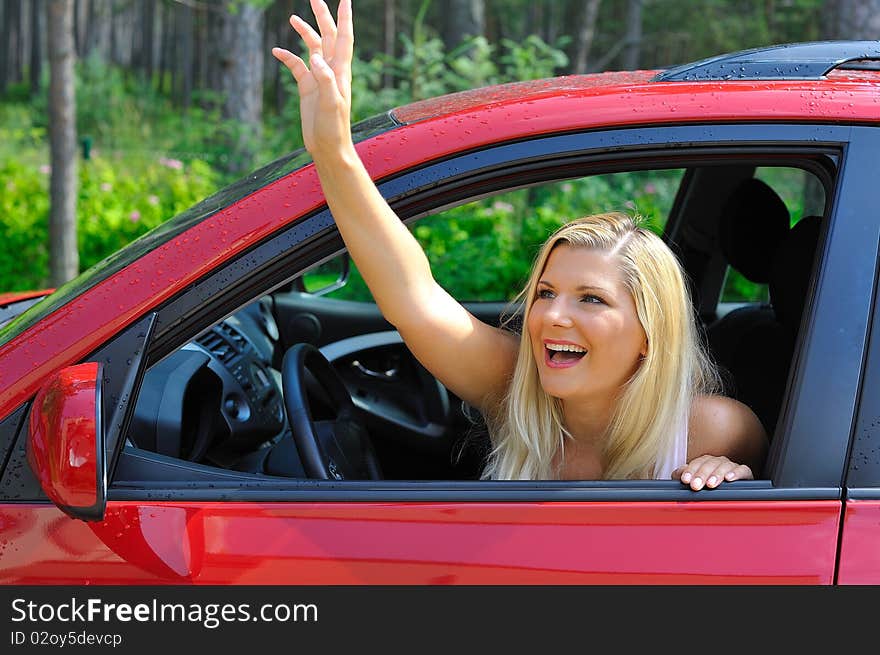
[
  {"x": 77, "y": 328},
  {"x": 789, "y": 542},
  {"x": 17, "y": 296},
  {"x": 860, "y": 543}
]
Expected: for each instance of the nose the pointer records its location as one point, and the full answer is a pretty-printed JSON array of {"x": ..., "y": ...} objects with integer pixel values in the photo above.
[{"x": 558, "y": 314}]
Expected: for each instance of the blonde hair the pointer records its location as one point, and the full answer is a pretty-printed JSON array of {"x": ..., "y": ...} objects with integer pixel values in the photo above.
[{"x": 654, "y": 403}]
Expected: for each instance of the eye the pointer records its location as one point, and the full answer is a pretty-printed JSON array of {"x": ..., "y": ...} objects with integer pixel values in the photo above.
[
  {"x": 544, "y": 293},
  {"x": 590, "y": 298}
]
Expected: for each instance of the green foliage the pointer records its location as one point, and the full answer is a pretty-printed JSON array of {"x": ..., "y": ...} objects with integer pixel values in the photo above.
[
  {"x": 24, "y": 216},
  {"x": 425, "y": 69},
  {"x": 125, "y": 116},
  {"x": 533, "y": 58},
  {"x": 677, "y": 32},
  {"x": 20, "y": 132},
  {"x": 116, "y": 204}
]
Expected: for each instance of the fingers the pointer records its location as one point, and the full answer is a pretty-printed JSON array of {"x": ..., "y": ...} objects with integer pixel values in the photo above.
[
  {"x": 344, "y": 47},
  {"x": 710, "y": 471},
  {"x": 741, "y": 472},
  {"x": 309, "y": 36},
  {"x": 327, "y": 28},
  {"x": 294, "y": 64},
  {"x": 328, "y": 93},
  {"x": 335, "y": 45},
  {"x": 345, "y": 32}
]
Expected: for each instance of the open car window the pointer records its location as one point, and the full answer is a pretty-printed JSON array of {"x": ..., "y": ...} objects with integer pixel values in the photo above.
[{"x": 217, "y": 404}]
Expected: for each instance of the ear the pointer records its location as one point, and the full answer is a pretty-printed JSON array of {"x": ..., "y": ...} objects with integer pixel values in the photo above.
[{"x": 644, "y": 351}]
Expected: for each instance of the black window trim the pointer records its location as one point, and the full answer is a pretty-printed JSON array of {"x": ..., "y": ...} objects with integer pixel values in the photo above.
[{"x": 863, "y": 459}]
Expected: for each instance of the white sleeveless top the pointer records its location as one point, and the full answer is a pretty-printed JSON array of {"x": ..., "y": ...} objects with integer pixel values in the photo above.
[{"x": 675, "y": 456}]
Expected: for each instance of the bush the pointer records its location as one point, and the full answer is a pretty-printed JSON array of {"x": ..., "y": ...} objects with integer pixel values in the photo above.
[
  {"x": 24, "y": 215},
  {"x": 117, "y": 203}
]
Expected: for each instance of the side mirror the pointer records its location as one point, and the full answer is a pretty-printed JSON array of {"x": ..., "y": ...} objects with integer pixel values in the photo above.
[
  {"x": 329, "y": 276},
  {"x": 66, "y": 444}
]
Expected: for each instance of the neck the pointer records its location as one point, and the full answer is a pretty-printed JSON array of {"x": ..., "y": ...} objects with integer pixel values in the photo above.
[{"x": 587, "y": 421}]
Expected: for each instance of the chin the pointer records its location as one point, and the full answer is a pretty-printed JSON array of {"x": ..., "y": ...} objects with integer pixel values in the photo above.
[{"x": 558, "y": 391}]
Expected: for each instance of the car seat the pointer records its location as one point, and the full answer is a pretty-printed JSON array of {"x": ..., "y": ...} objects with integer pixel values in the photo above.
[
  {"x": 768, "y": 350},
  {"x": 791, "y": 273},
  {"x": 753, "y": 223}
]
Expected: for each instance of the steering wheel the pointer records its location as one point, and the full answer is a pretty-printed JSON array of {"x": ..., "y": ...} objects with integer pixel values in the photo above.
[{"x": 326, "y": 425}]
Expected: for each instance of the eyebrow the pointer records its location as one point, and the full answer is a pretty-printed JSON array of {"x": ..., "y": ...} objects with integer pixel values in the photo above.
[{"x": 582, "y": 287}]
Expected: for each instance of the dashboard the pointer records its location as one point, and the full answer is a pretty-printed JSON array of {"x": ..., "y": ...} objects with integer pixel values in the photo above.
[
  {"x": 218, "y": 401},
  {"x": 218, "y": 398}
]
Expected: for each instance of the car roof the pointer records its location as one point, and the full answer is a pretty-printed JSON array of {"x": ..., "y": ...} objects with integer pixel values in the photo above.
[{"x": 832, "y": 66}]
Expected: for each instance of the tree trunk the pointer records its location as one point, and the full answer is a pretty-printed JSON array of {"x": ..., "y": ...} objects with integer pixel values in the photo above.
[
  {"x": 552, "y": 21},
  {"x": 463, "y": 18},
  {"x": 389, "y": 41},
  {"x": 90, "y": 40},
  {"x": 15, "y": 51},
  {"x": 633, "y": 50},
  {"x": 166, "y": 25},
  {"x": 241, "y": 78},
  {"x": 185, "y": 62},
  {"x": 585, "y": 34},
  {"x": 8, "y": 37},
  {"x": 77, "y": 28},
  {"x": 36, "y": 60},
  {"x": 148, "y": 50},
  {"x": 214, "y": 48},
  {"x": 114, "y": 35},
  {"x": 63, "y": 255},
  {"x": 5, "y": 28},
  {"x": 853, "y": 19},
  {"x": 201, "y": 55},
  {"x": 173, "y": 55}
]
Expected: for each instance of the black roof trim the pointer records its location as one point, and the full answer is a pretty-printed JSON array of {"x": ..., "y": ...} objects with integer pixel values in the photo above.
[{"x": 791, "y": 61}]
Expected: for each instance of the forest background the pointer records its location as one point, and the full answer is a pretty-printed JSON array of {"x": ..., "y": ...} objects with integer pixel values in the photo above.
[{"x": 175, "y": 99}]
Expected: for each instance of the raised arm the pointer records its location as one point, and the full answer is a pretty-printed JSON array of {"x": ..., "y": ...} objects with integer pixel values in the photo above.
[{"x": 470, "y": 357}]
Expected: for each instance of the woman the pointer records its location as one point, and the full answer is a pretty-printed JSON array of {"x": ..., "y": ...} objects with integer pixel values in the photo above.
[{"x": 608, "y": 380}]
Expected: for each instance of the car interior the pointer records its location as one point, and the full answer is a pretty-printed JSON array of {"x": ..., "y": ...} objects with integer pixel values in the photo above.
[{"x": 309, "y": 381}]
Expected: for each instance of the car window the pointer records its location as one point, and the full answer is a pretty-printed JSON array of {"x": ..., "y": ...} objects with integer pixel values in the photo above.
[{"x": 219, "y": 401}]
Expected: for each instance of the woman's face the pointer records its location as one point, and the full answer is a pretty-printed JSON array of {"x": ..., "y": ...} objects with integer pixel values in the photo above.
[{"x": 584, "y": 329}]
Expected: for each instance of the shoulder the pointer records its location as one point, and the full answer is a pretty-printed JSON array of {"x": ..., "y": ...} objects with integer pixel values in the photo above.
[{"x": 724, "y": 426}]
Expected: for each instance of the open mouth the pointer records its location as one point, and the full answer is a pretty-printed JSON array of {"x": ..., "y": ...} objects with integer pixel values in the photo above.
[{"x": 562, "y": 356}]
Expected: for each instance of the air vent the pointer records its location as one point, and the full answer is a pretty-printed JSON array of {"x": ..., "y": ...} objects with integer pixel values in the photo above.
[
  {"x": 218, "y": 345},
  {"x": 233, "y": 335}
]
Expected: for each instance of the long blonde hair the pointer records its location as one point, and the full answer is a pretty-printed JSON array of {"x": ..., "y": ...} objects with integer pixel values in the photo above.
[{"x": 654, "y": 403}]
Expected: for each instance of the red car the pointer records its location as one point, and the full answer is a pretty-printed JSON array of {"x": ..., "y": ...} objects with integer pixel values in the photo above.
[{"x": 214, "y": 404}]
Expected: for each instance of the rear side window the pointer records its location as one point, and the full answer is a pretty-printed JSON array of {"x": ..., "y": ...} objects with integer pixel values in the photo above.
[{"x": 803, "y": 195}]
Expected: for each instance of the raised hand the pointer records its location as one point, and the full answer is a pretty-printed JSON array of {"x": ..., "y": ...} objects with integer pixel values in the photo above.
[{"x": 325, "y": 84}]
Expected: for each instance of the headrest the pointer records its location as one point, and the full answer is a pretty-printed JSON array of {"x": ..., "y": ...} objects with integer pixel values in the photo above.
[
  {"x": 790, "y": 279},
  {"x": 753, "y": 222}
]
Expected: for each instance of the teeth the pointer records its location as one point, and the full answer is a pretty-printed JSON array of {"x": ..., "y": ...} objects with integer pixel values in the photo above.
[{"x": 565, "y": 348}]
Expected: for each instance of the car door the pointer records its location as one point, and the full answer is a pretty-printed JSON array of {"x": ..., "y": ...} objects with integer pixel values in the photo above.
[{"x": 172, "y": 521}]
